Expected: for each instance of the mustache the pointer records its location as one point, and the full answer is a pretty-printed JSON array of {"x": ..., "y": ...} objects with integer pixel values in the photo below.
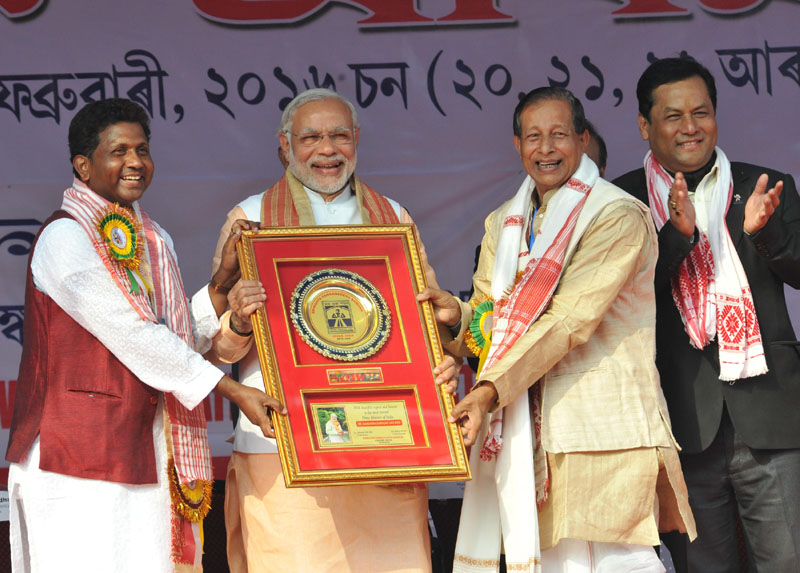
[{"x": 327, "y": 158}]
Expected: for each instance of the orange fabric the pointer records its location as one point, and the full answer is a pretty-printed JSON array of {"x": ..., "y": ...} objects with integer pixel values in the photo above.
[
  {"x": 277, "y": 208},
  {"x": 339, "y": 528}
]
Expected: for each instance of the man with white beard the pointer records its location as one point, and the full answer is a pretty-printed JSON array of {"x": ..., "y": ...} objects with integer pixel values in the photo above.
[{"x": 342, "y": 528}]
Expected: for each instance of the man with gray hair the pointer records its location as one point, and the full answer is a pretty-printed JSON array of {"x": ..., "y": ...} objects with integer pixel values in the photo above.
[{"x": 353, "y": 528}]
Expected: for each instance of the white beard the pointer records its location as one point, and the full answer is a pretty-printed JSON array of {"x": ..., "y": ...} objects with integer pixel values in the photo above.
[{"x": 306, "y": 176}]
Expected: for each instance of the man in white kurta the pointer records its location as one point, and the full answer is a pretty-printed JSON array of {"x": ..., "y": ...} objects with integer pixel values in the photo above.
[
  {"x": 65, "y": 520},
  {"x": 343, "y": 528},
  {"x": 67, "y": 268}
]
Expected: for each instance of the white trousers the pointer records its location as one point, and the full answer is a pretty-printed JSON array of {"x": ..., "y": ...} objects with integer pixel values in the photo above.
[
  {"x": 68, "y": 524},
  {"x": 578, "y": 556}
]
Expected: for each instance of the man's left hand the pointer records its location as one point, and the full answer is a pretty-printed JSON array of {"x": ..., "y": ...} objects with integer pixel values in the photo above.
[
  {"x": 471, "y": 411},
  {"x": 761, "y": 205}
]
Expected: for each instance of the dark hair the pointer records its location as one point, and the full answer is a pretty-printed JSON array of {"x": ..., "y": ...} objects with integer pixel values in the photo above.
[
  {"x": 547, "y": 93},
  {"x": 94, "y": 117},
  {"x": 601, "y": 144},
  {"x": 668, "y": 71}
]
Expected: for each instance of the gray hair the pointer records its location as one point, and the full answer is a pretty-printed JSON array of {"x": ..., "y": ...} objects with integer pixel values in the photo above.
[{"x": 316, "y": 94}]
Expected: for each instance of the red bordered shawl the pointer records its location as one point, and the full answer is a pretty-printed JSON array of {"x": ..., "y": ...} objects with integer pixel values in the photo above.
[
  {"x": 710, "y": 289},
  {"x": 279, "y": 206}
]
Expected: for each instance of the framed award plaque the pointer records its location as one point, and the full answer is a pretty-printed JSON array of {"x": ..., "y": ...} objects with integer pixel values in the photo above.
[{"x": 344, "y": 344}]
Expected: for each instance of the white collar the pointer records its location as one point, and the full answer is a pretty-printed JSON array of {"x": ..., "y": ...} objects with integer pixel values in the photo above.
[{"x": 318, "y": 198}]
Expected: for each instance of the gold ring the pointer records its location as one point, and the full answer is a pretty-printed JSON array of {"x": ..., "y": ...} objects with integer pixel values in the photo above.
[{"x": 673, "y": 204}]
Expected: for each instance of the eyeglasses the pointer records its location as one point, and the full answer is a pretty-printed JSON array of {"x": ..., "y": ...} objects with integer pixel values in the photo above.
[{"x": 311, "y": 139}]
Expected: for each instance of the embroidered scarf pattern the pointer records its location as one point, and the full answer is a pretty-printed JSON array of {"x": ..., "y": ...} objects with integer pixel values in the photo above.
[{"x": 711, "y": 290}]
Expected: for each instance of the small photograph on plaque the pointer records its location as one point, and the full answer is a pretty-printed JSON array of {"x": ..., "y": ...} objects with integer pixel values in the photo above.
[{"x": 332, "y": 423}]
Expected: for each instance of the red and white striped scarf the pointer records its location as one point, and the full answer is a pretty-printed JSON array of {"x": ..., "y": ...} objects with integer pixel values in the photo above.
[
  {"x": 710, "y": 290},
  {"x": 188, "y": 427},
  {"x": 518, "y": 306}
]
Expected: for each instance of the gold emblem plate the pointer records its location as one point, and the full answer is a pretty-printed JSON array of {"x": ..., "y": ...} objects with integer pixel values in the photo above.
[{"x": 340, "y": 314}]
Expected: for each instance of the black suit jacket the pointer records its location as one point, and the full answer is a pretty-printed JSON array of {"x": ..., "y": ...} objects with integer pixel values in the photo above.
[{"x": 765, "y": 410}]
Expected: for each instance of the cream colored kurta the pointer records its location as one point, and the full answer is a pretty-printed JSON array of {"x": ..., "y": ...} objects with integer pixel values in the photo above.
[
  {"x": 342, "y": 528},
  {"x": 605, "y": 425}
]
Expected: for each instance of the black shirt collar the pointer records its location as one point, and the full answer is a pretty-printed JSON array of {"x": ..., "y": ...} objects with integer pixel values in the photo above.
[{"x": 694, "y": 178}]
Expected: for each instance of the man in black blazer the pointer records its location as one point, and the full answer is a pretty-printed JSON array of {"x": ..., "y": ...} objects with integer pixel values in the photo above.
[{"x": 741, "y": 435}]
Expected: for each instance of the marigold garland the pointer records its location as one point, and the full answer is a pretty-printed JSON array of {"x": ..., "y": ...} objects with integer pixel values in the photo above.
[{"x": 193, "y": 503}]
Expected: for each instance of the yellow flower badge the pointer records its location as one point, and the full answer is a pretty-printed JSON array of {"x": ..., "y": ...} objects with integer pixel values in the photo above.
[
  {"x": 119, "y": 228},
  {"x": 478, "y": 336}
]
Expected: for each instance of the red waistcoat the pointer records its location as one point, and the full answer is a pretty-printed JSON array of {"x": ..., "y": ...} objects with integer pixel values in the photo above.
[{"x": 93, "y": 416}]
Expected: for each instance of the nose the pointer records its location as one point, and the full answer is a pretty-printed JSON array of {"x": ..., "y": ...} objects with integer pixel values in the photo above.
[
  {"x": 546, "y": 144},
  {"x": 327, "y": 146},
  {"x": 688, "y": 125},
  {"x": 132, "y": 159}
]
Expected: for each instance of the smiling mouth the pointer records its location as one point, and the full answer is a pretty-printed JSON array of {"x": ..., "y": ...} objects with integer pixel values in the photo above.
[
  {"x": 548, "y": 165},
  {"x": 328, "y": 166},
  {"x": 132, "y": 178}
]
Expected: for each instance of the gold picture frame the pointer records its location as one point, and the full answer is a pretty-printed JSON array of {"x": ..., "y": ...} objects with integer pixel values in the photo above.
[{"x": 343, "y": 343}]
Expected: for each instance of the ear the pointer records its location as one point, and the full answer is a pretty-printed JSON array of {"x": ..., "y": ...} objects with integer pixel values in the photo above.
[
  {"x": 81, "y": 163},
  {"x": 284, "y": 143},
  {"x": 355, "y": 138},
  {"x": 644, "y": 127},
  {"x": 518, "y": 144},
  {"x": 584, "y": 139}
]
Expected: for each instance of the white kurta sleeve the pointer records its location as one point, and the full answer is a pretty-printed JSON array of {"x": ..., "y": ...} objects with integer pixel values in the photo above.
[
  {"x": 205, "y": 323},
  {"x": 67, "y": 268}
]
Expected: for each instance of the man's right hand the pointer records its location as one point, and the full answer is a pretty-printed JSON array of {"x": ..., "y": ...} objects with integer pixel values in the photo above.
[
  {"x": 681, "y": 209},
  {"x": 244, "y": 299},
  {"x": 471, "y": 411},
  {"x": 253, "y": 403},
  {"x": 445, "y": 305},
  {"x": 228, "y": 272}
]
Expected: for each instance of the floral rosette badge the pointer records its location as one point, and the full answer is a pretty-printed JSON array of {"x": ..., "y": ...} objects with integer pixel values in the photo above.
[
  {"x": 478, "y": 336},
  {"x": 120, "y": 229}
]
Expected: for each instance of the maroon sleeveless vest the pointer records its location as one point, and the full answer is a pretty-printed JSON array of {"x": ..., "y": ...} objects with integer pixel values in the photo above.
[{"x": 93, "y": 416}]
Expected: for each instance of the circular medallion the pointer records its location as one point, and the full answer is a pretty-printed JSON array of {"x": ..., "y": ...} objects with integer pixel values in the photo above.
[
  {"x": 119, "y": 238},
  {"x": 118, "y": 229},
  {"x": 340, "y": 314}
]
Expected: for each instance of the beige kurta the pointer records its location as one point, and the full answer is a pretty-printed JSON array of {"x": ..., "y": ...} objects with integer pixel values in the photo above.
[
  {"x": 605, "y": 425},
  {"x": 341, "y": 528}
]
